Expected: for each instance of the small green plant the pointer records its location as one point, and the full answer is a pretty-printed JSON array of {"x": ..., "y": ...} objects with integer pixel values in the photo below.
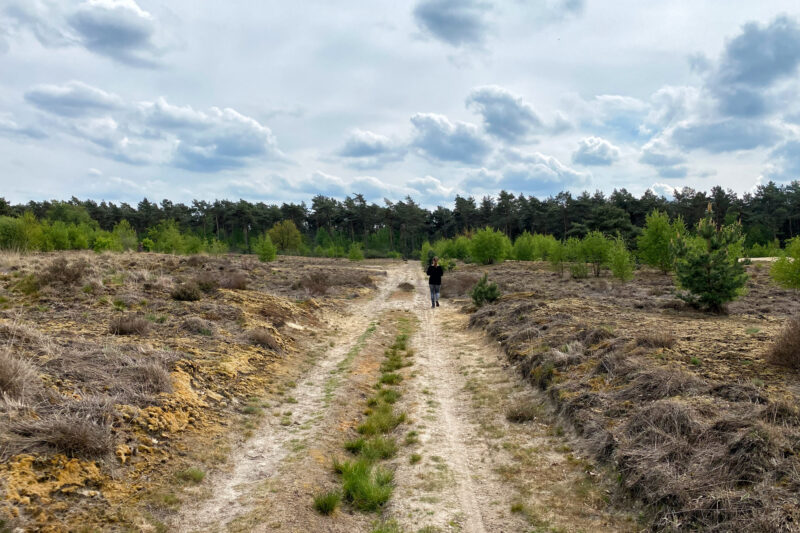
[
  {"x": 579, "y": 270},
  {"x": 695, "y": 361},
  {"x": 327, "y": 502},
  {"x": 365, "y": 486},
  {"x": 415, "y": 458},
  {"x": 193, "y": 475},
  {"x": 390, "y": 526},
  {"x": 391, "y": 378},
  {"x": 380, "y": 420},
  {"x": 484, "y": 292}
]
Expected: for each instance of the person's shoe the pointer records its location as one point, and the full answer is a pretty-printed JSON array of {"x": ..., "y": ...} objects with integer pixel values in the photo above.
[
  {"x": 433, "y": 305},
  {"x": 437, "y": 304}
]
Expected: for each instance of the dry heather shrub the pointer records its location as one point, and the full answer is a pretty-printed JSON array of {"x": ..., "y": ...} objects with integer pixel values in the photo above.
[
  {"x": 523, "y": 411},
  {"x": 658, "y": 383},
  {"x": 124, "y": 324},
  {"x": 235, "y": 281},
  {"x": 149, "y": 378},
  {"x": 406, "y": 286},
  {"x": 315, "y": 283},
  {"x": 62, "y": 272},
  {"x": 782, "y": 414},
  {"x": 197, "y": 325},
  {"x": 264, "y": 338},
  {"x": 186, "y": 292},
  {"x": 459, "y": 284},
  {"x": 753, "y": 454},
  {"x": 658, "y": 422},
  {"x": 206, "y": 282},
  {"x": 786, "y": 350},
  {"x": 659, "y": 339},
  {"x": 738, "y": 392},
  {"x": 18, "y": 377}
]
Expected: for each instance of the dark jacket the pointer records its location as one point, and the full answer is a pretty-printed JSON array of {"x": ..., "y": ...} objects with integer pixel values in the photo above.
[{"x": 435, "y": 273}]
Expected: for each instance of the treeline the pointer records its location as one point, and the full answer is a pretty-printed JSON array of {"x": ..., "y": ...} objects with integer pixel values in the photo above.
[{"x": 769, "y": 217}]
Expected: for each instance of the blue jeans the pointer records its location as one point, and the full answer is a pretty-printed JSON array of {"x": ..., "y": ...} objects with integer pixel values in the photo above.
[{"x": 435, "y": 289}]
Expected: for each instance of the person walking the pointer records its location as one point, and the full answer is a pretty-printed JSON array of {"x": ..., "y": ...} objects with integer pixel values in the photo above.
[{"x": 435, "y": 273}]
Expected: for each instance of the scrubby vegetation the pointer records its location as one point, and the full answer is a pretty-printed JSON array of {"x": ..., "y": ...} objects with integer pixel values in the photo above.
[
  {"x": 786, "y": 350},
  {"x": 484, "y": 291},
  {"x": 786, "y": 270}
]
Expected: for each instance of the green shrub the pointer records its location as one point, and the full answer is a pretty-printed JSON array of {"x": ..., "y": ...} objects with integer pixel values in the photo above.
[
  {"x": 484, "y": 292},
  {"x": 103, "y": 243},
  {"x": 579, "y": 270},
  {"x": 217, "y": 247},
  {"x": 124, "y": 236},
  {"x": 654, "y": 242},
  {"x": 704, "y": 267},
  {"x": 489, "y": 246},
  {"x": 620, "y": 260},
  {"x": 286, "y": 236},
  {"x": 786, "y": 270},
  {"x": 193, "y": 474},
  {"x": 354, "y": 253},
  {"x": 426, "y": 254},
  {"x": 264, "y": 248},
  {"x": 557, "y": 255},
  {"x": 148, "y": 245},
  {"x": 525, "y": 247}
]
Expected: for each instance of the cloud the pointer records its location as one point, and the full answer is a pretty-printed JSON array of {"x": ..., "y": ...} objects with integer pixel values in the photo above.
[
  {"x": 611, "y": 115},
  {"x": 505, "y": 115},
  {"x": 118, "y": 29},
  {"x": 232, "y": 140},
  {"x": 455, "y": 22},
  {"x": 754, "y": 62},
  {"x": 365, "y": 149},
  {"x": 431, "y": 188},
  {"x": 663, "y": 189},
  {"x": 72, "y": 99},
  {"x": 667, "y": 162},
  {"x": 785, "y": 161},
  {"x": 595, "y": 151},
  {"x": 278, "y": 187},
  {"x": 725, "y": 135},
  {"x": 438, "y": 138},
  {"x": 161, "y": 114},
  {"x": 11, "y": 128},
  {"x": 534, "y": 173}
]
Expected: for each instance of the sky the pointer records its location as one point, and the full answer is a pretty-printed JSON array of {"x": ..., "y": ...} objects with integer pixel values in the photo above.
[{"x": 273, "y": 101}]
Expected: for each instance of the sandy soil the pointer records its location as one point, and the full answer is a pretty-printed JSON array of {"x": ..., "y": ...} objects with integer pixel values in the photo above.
[{"x": 476, "y": 471}]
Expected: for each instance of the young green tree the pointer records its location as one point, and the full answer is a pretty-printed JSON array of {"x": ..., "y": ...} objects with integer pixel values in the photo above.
[
  {"x": 786, "y": 270},
  {"x": 124, "y": 236},
  {"x": 704, "y": 267},
  {"x": 653, "y": 244},
  {"x": 355, "y": 253},
  {"x": 524, "y": 247},
  {"x": 595, "y": 250},
  {"x": 484, "y": 291},
  {"x": 489, "y": 246},
  {"x": 286, "y": 236},
  {"x": 557, "y": 256},
  {"x": 264, "y": 248},
  {"x": 620, "y": 260},
  {"x": 426, "y": 254}
]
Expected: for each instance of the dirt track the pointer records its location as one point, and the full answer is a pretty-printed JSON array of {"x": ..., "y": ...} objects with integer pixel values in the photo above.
[{"x": 477, "y": 472}]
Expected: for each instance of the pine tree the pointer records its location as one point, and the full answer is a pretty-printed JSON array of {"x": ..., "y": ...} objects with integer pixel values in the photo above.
[{"x": 706, "y": 268}]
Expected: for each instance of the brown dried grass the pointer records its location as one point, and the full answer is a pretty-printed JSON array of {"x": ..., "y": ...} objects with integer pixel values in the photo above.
[
  {"x": 786, "y": 350},
  {"x": 264, "y": 338},
  {"x": 62, "y": 272},
  {"x": 19, "y": 379},
  {"x": 235, "y": 281},
  {"x": 125, "y": 324}
]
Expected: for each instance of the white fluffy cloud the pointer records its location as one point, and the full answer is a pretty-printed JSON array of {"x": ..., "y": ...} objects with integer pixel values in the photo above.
[
  {"x": 594, "y": 151},
  {"x": 505, "y": 115},
  {"x": 438, "y": 138}
]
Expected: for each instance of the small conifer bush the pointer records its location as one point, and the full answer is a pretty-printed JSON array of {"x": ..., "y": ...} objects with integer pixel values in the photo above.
[{"x": 484, "y": 291}]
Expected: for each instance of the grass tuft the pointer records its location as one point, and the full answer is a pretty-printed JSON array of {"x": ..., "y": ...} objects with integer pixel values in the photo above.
[
  {"x": 192, "y": 474},
  {"x": 327, "y": 502}
]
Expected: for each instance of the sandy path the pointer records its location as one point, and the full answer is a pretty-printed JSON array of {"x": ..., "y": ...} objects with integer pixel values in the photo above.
[
  {"x": 476, "y": 472},
  {"x": 259, "y": 457}
]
